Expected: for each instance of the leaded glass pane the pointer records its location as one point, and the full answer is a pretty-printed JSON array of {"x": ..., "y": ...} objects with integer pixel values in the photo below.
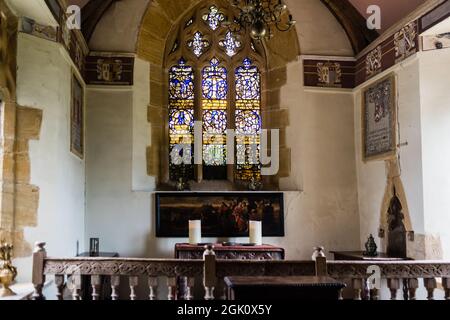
[
  {"x": 214, "y": 104},
  {"x": 214, "y": 121},
  {"x": 181, "y": 124},
  {"x": 230, "y": 44},
  {"x": 214, "y": 155},
  {"x": 181, "y": 82},
  {"x": 214, "y": 84},
  {"x": 248, "y": 121},
  {"x": 198, "y": 44},
  {"x": 181, "y": 121},
  {"x": 214, "y": 18},
  {"x": 248, "y": 82}
]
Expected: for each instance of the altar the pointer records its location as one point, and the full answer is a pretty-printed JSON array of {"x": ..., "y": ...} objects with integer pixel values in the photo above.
[
  {"x": 232, "y": 251},
  {"x": 225, "y": 251}
]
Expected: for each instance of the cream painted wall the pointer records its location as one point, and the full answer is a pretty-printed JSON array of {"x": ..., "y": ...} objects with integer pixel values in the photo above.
[
  {"x": 35, "y": 9},
  {"x": 323, "y": 164},
  {"x": 435, "y": 112},
  {"x": 318, "y": 30},
  {"x": 119, "y": 192},
  {"x": 123, "y": 216},
  {"x": 118, "y": 29},
  {"x": 372, "y": 176},
  {"x": 44, "y": 82}
]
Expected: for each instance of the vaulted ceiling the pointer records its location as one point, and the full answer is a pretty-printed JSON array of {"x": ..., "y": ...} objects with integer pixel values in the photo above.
[{"x": 350, "y": 14}]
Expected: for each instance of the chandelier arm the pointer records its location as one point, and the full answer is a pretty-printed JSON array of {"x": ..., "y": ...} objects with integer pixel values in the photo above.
[{"x": 288, "y": 27}]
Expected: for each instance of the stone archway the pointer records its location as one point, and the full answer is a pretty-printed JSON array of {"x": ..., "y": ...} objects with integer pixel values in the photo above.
[{"x": 158, "y": 24}]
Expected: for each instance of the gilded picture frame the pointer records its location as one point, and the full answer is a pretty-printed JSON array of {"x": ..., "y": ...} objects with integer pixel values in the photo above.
[
  {"x": 77, "y": 125},
  {"x": 379, "y": 120}
]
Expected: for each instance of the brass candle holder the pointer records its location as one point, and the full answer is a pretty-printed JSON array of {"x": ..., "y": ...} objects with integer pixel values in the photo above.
[{"x": 8, "y": 272}]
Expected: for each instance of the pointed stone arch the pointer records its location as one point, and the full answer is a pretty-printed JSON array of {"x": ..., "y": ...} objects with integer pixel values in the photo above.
[{"x": 157, "y": 33}]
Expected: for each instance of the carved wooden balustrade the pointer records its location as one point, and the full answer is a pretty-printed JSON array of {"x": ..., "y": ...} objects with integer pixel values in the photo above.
[
  {"x": 399, "y": 275},
  {"x": 116, "y": 269},
  {"x": 402, "y": 275}
]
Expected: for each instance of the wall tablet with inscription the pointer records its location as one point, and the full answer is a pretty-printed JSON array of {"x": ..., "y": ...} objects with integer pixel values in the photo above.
[{"x": 379, "y": 120}]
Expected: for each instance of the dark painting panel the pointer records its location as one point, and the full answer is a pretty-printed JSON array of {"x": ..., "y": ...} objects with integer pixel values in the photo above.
[
  {"x": 77, "y": 118},
  {"x": 222, "y": 214}
]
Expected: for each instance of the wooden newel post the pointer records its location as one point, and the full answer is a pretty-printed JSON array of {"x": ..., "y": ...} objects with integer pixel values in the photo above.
[
  {"x": 38, "y": 277},
  {"x": 321, "y": 262},
  {"x": 209, "y": 273}
]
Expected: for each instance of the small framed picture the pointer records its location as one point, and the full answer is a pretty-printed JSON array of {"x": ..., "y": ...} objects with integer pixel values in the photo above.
[{"x": 77, "y": 118}]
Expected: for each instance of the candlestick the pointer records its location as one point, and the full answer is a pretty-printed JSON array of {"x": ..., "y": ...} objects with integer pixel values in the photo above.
[
  {"x": 195, "y": 232},
  {"x": 255, "y": 228}
]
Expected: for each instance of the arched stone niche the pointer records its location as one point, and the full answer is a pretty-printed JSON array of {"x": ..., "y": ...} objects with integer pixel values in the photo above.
[{"x": 158, "y": 31}]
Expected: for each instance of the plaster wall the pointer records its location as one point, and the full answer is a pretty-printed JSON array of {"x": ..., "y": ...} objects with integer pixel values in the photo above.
[
  {"x": 44, "y": 82},
  {"x": 372, "y": 176},
  {"x": 435, "y": 113}
]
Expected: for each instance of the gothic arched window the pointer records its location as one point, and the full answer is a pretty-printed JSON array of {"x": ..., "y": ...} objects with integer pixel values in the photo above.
[{"x": 215, "y": 76}]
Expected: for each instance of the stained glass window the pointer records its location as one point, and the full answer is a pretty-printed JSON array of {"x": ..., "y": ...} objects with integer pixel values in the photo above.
[
  {"x": 214, "y": 18},
  {"x": 181, "y": 120},
  {"x": 248, "y": 121},
  {"x": 198, "y": 44},
  {"x": 218, "y": 87},
  {"x": 230, "y": 44},
  {"x": 214, "y": 106}
]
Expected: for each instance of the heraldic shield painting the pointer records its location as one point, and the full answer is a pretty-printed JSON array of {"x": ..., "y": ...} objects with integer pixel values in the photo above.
[{"x": 379, "y": 120}]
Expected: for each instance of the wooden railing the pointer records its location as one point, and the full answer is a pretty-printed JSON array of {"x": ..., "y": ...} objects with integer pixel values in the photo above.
[
  {"x": 403, "y": 275},
  {"x": 399, "y": 275},
  {"x": 65, "y": 270}
]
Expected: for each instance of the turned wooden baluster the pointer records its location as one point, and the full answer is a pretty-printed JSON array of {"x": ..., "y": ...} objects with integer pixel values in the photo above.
[
  {"x": 413, "y": 285},
  {"x": 374, "y": 294},
  {"x": 394, "y": 286},
  {"x": 133, "y": 281},
  {"x": 209, "y": 272},
  {"x": 222, "y": 287},
  {"x": 190, "y": 289},
  {"x": 430, "y": 285},
  {"x": 172, "y": 288},
  {"x": 115, "y": 282},
  {"x": 153, "y": 286},
  {"x": 38, "y": 277},
  {"x": 357, "y": 285},
  {"x": 59, "y": 282},
  {"x": 446, "y": 285},
  {"x": 341, "y": 294},
  {"x": 76, "y": 283},
  {"x": 96, "y": 283}
]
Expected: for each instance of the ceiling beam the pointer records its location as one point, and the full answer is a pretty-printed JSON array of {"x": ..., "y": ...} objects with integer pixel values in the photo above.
[
  {"x": 354, "y": 24},
  {"x": 91, "y": 14}
]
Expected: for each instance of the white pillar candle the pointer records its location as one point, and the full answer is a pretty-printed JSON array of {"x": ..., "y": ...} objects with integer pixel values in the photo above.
[
  {"x": 195, "y": 232},
  {"x": 255, "y": 228}
]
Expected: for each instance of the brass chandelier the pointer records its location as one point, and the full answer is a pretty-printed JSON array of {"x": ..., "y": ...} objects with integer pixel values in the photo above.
[{"x": 260, "y": 17}]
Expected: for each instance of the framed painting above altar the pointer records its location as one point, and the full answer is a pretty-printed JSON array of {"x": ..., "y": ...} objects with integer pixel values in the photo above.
[
  {"x": 379, "y": 120},
  {"x": 222, "y": 214}
]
